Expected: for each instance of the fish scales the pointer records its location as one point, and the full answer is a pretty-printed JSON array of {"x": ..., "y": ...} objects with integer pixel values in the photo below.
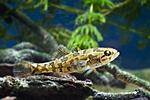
[{"x": 73, "y": 62}]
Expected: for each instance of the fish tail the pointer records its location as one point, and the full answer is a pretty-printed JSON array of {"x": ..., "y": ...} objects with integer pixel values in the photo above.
[{"x": 23, "y": 68}]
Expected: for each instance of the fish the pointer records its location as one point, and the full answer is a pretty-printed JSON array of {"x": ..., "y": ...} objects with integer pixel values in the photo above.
[{"x": 69, "y": 63}]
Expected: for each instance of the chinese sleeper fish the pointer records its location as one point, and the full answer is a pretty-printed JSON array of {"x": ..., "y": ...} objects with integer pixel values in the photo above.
[{"x": 72, "y": 62}]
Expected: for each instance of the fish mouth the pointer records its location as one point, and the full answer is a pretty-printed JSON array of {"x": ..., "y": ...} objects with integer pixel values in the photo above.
[{"x": 115, "y": 56}]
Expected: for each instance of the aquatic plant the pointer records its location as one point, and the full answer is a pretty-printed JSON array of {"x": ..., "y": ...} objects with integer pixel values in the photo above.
[
  {"x": 91, "y": 14},
  {"x": 86, "y": 34}
]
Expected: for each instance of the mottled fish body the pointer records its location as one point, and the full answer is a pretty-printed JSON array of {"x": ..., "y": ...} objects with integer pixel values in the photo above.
[{"x": 72, "y": 62}]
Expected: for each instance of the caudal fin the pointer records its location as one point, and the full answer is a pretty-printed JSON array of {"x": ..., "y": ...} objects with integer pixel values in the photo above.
[{"x": 22, "y": 69}]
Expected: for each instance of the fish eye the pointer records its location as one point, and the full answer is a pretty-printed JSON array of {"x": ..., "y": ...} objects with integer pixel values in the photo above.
[{"x": 107, "y": 52}]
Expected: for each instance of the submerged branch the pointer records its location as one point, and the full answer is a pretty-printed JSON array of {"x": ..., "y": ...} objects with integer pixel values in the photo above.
[
  {"x": 35, "y": 28},
  {"x": 123, "y": 27},
  {"x": 79, "y": 11},
  {"x": 6, "y": 69},
  {"x": 117, "y": 6},
  {"x": 44, "y": 87},
  {"x": 138, "y": 94},
  {"x": 67, "y": 8},
  {"x": 125, "y": 76},
  {"x": 47, "y": 87}
]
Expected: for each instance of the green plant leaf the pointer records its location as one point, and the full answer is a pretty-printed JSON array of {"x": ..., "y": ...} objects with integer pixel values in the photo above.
[{"x": 90, "y": 17}]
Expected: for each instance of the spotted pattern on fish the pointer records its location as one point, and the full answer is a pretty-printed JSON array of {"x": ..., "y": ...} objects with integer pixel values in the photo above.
[{"x": 74, "y": 61}]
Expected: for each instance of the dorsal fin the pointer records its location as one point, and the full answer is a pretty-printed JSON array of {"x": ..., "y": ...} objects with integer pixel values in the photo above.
[
  {"x": 61, "y": 51},
  {"x": 76, "y": 49}
]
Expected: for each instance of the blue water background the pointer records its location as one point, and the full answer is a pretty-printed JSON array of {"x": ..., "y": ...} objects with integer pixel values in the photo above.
[{"x": 131, "y": 57}]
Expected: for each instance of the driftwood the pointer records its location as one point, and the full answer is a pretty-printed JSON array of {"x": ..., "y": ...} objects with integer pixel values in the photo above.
[
  {"x": 138, "y": 94},
  {"x": 48, "y": 40},
  {"x": 48, "y": 87},
  {"x": 26, "y": 45},
  {"x": 6, "y": 69},
  {"x": 125, "y": 76},
  {"x": 42, "y": 87},
  {"x": 12, "y": 56}
]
